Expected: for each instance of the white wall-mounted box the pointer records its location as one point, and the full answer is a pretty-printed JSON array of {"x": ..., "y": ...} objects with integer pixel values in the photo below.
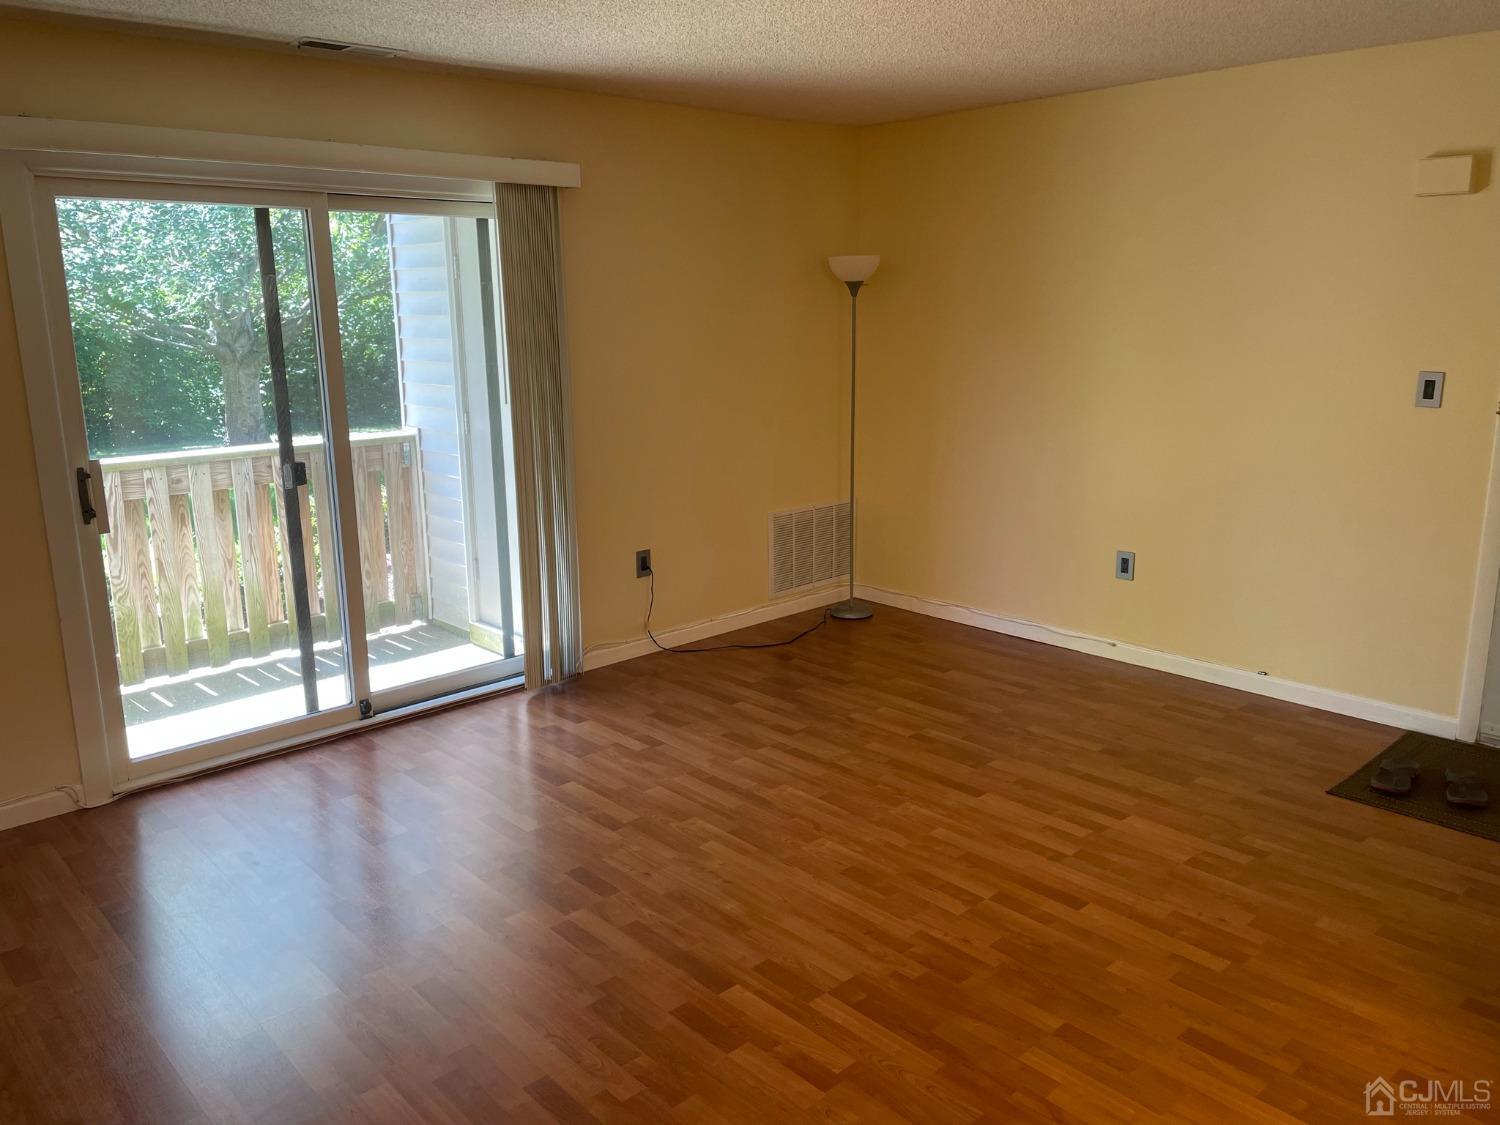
[{"x": 1445, "y": 175}]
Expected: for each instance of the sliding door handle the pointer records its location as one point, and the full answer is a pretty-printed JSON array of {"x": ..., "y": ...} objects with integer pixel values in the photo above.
[
  {"x": 293, "y": 474},
  {"x": 88, "y": 480}
]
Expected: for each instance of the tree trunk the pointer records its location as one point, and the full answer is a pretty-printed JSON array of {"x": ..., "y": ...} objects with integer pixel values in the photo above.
[{"x": 241, "y": 354}]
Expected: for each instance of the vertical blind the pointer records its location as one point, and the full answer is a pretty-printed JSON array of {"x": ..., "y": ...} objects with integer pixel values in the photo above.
[{"x": 536, "y": 353}]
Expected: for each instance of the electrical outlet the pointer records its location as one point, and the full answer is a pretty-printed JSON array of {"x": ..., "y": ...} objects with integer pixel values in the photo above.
[
  {"x": 1125, "y": 566},
  {"x": 643, "y": 563}
]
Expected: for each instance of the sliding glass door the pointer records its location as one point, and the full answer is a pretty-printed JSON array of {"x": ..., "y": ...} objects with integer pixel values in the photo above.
[
  {"x": 297, "y": 480},
  {"x": 429, "y": 424}
]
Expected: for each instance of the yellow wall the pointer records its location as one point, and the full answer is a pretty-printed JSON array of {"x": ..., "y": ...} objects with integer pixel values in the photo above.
[
  {"x": 1185, "y": 318},
  {"x": 706, "y": 335}
]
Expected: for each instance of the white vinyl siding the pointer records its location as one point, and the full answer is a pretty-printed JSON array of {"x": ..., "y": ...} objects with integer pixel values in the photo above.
[{"x": 420, "y": 257}]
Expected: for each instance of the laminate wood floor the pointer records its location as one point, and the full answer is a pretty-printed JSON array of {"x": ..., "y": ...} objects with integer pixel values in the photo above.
[{"x": 901, "y": 871}]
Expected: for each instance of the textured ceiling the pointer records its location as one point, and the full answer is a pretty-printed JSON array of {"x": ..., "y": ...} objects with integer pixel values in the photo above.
[{"x": 853, "y": 61}]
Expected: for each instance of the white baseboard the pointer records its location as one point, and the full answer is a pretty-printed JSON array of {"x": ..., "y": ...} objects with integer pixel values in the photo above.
[
  {"x": 613, "y": 652},
  {"x": 1489, "y": 734},
  {"x": 29, "y": 809},
  {"x": 1324, "y": 699},
  {"x": 13, "y": 814}
]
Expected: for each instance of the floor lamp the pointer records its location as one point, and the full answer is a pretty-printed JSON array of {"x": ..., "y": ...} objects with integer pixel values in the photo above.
[{"x": 853, "y": 270}]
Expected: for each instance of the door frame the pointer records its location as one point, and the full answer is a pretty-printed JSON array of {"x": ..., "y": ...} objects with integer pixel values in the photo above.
[
  {"x": 314, "y": 171},
  {"x": 1482, "y": 610}
]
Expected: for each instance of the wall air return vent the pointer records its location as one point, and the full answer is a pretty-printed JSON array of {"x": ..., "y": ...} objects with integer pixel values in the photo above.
[
  {"x": 334, "y": 47},
  {"x": 808, "y": 546}
]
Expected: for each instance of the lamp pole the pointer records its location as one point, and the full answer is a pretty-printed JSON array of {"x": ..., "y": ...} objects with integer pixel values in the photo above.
[{"x": 852, "y": 609}]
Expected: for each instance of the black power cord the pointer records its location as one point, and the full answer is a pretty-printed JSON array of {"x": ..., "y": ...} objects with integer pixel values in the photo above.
[{"x": 651, "y": 605}]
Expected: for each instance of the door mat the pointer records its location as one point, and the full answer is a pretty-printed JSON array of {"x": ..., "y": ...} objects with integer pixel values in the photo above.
[{"x": 1426, "y": 801}]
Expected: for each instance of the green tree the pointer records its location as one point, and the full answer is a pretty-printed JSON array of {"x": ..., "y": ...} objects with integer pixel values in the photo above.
[
  {"x": 367, "y": 318},
  {"x": 169, "y": 325}
]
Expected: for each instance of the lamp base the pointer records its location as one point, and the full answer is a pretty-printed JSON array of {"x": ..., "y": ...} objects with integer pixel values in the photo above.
[{"x": 851, "y": 609}]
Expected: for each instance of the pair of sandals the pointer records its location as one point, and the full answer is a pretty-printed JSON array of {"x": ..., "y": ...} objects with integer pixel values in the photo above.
[{"x": 1396, "y": 776}]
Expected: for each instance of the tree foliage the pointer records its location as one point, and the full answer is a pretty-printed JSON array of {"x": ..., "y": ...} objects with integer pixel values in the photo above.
[{"x": 169, "y": 324}]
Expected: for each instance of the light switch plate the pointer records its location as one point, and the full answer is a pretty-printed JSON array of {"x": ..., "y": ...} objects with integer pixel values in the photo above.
[{"x": 1430, "y": 388}]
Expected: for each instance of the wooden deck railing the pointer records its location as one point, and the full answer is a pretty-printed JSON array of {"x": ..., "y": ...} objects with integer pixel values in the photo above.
[{"x": 197, "y": 557}]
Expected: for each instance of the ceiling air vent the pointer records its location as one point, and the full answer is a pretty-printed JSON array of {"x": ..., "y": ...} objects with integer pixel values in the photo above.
[
  {"x": 808, "y": 546},
  {"x": 333, "y": 47}
]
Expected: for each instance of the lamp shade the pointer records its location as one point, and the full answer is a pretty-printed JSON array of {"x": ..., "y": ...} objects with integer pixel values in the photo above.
[{"x": 853, "y": 267}]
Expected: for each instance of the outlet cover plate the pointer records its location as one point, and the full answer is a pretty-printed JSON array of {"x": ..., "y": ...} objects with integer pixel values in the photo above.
[
  {"x": 643, "y": 563},
  {"x": 1125, "y": 566}
]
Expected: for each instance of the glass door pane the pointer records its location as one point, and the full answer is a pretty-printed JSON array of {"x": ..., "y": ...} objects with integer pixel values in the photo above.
[
  {"x": 429, "y": 424},
  {"x": 215, "y": 534}
]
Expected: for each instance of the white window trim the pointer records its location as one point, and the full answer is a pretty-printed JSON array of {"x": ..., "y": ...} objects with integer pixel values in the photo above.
[{"x": 74, "y": 148}]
